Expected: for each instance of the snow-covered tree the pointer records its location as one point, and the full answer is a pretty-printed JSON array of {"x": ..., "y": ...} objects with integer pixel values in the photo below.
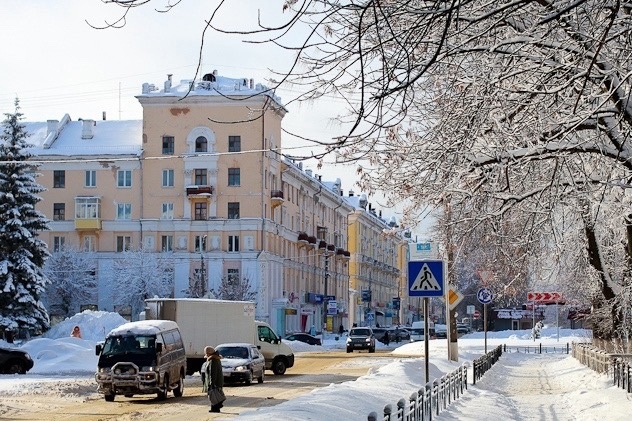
[
  {"x": 73, "y": 280},
  {"x": 22, "y": 253},
  {"x": 139, "y": 275},
  {"x": 234, "y": 288}
]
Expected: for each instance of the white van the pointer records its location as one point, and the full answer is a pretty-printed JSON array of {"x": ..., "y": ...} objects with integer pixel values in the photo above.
[{"x": 417, "y": 330}]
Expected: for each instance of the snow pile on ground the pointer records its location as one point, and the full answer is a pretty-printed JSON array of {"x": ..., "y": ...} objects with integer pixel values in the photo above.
[{"x": 94, "y": 325}]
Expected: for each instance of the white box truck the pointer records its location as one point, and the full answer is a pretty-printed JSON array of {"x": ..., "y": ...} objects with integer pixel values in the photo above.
[{"x": 205, "y": 322}]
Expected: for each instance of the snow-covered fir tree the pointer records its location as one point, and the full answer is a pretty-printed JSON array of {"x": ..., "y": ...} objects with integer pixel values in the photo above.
[
  {"x": 234, "y": 289},
  {"x": 22, "y": 253}
]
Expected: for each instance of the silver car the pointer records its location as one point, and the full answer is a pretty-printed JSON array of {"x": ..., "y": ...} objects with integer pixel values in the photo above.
[{"x": 241, "y": 362}]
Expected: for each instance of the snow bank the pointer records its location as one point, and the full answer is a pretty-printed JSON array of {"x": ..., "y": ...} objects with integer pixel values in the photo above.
[{"x": 95, "y": 325}]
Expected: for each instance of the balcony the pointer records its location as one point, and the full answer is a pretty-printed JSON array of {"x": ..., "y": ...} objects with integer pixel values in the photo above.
[
  {"x": 88, "y": 224},
  {"x": 199, "y": 191},
  {"x": 312, "y": 240},
  {"x": 276, "y": 196}
]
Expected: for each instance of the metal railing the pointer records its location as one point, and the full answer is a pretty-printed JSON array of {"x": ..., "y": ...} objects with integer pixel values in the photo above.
[
  {"x": 430, "y": 400},
  {"x": 622, "y": 374},
  {"x": 484, "y": 363},
  {"x": 539, "y": 349},
  {"x": 437, "y": 395}
]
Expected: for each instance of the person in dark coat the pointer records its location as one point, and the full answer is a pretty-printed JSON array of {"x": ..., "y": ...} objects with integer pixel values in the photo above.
[
  {"x": 341, "y": 329},
  {"x": 212, "y": 375},
  {"x": 387, "y": 340}
]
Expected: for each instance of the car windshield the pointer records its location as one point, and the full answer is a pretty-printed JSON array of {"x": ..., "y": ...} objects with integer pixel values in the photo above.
[
  {"x": 233, "y": 352},
  {"x": 360, "y": 332},
  {"x": 129, "y": 344}
]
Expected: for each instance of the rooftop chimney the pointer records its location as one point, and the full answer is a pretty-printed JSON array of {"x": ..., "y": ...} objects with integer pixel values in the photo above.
[
  {"x": 103, "y": 115},
  {"x": 87, "y": 131}
]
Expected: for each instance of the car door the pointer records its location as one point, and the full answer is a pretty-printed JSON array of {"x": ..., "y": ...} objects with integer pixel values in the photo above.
[{"x": 258, "y": 362}]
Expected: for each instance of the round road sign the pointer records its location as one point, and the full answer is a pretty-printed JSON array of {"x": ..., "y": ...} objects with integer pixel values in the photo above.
[{"x": 485, "y": 295}]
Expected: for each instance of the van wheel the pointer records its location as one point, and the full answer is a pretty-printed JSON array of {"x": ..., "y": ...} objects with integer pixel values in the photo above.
[
  {"x": 278, "y": 367},
  {"x": 249, "y": 379},
  {"x": 371, "y": 350},
  {"x": 108, "y": 397},
  {"x": 162, "y": 394},
  {"x": 179, "y": 390},
  {"x": 260, "y": 378}
]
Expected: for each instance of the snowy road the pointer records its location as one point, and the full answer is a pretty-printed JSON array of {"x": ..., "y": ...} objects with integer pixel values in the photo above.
[{"x": 541, "y": 387}]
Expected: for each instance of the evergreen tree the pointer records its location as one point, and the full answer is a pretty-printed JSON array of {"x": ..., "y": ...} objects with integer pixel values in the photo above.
[{"x": 22, "y": 253}]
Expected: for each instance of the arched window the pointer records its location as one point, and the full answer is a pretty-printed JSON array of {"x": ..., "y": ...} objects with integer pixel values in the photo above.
[{"x": 201, "y": 144}]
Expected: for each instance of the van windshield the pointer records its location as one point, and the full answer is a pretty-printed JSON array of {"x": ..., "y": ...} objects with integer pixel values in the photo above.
[{"x": 129, "y": 344}]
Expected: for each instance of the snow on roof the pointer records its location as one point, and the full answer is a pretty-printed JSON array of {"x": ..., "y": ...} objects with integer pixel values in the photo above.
[
  {"x": 67, "y": 138},
  {"x": 211, "y": 85},
  {"x": 144, "y": 327}
]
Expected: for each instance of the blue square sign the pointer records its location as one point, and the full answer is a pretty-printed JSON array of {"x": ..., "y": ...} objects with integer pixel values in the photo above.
[{"x": 426, "y": 278}]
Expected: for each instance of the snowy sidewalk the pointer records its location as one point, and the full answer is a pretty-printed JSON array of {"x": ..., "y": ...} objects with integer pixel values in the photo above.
[{"x": 542, "y": 387}]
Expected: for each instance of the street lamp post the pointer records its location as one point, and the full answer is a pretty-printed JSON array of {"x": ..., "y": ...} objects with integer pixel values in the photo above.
[
  {"x": 202, "y": 274},
  {"x": 325, "y": 300}
]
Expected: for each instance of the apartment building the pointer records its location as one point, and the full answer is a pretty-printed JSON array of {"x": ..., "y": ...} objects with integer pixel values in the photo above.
[{"x": 201, "y": 181}]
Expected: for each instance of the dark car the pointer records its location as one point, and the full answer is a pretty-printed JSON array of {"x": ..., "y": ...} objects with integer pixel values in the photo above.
[
  {"x": 304, "y": 337},
  {"x": 14, "y": 361},
  {"x": 398, "y": 334},
  {"x": 361, "y": 338},
  {"x": 241, "y": 362},
  {"x": 380, "y": 332}
]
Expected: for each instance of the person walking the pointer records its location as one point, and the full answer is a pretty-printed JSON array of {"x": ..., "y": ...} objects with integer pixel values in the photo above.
[{"x": 212, "y": 375}]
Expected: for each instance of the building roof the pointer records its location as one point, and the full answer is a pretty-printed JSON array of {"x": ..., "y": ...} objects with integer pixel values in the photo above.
[{"x": 101, "y": 137}]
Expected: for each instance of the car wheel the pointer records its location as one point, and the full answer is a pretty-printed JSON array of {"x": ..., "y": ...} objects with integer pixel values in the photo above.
[
  {"x": 249, "y": 379},
  {"x": 371, "y": 350},
  {"x": 349, "y": 350},
  {"x": 179, "y": 390},
  {"x": 260, "y": 378},
  {"x": 162, "y": 394},
  {"x": 109, "y": 397},
  {"x": 16, "y": 367},
  {"x": 278, "y": 367}
]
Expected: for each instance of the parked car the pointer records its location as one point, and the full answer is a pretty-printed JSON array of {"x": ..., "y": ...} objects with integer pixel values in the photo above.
[
  {"x": 398, "y": 334},
  {"x": 379, "y": 332},
  {"x": 441, "y": 331},
  {"x": 361, "y": 338},
  {"x": 304, "y": 337},
  {"x": 462, "y": 328},
  {"x": 14, "y": 361},
  {"x": 242, "y": 362}
]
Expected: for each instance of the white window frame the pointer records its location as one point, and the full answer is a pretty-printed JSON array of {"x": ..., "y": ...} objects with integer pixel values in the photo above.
[
  {"x": 233, "y": 243},
  {"x": 126, "y": 243},
  {"x": 124, "y": 211},
  {"x": 168, "y": 178},
  {"x": 124, "y": 178},
  {"x": 91, "y": 178},
  {"x": 166, "y": 243},
  {"x": 58, "y": 243},
  {"x": 167, "y": 211},
  {"x": 89, "y": 243}
]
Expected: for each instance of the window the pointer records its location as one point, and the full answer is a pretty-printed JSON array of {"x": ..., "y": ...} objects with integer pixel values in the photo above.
[
  {"x": 167, "y": 145},
  {"x": 200, "y": 243},
  {"x": 91, "y": 178},
  {"x": 58, "y": 243},
  {"x": 200, "y": 177},
  {"x": 124, "y": 211},
  {"x": 167, "y": 178},
  {"x": 89, "y": 243},
  {"x": 234, "y": 143},
  {"x": 59, "y": 179},
  {"x": 124, "y": 178},
  {"x": 87, "y": 208},
  {"x": 233, "y": 177},
  {"x": 166, "y": 243},
  {"x": 201, "y": 144},
  {"x": 200, "y": 211},
  {"x": 232, "y": 276},
  {"x": 233, "y": 243},
  {"x": 59, "y": 211},
  {"x": 233, "y": 210},
  {"x": 123, "y": 243},
  {"x": 167, "y": 211}
]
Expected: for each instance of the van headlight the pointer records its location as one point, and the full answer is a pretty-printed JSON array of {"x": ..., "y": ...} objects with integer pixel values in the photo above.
[
  {"x": 104, "y": 370},
  {"x": 349, "y": 340},
  {"x": 241, "y": 368}
]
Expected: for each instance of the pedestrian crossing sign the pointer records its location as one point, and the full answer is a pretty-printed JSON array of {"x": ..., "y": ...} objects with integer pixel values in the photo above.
[{"x": 426, "y": 278}]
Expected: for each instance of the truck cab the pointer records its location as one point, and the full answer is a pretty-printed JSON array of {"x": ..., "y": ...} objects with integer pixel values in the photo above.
[{"x": 279, "y": 357}]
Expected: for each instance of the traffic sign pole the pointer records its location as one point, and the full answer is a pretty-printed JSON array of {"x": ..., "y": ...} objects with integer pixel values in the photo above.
[{"x": 426, "y": 339}]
